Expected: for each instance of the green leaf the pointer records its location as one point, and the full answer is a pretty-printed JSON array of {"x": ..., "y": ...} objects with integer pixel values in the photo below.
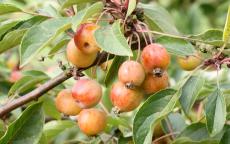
[
  {"x": 35, "y": 20},
  {"x": 158, "y": 18},
  {"x": 14, "y": 35},
  {"x": 112, "y": 40},
  {"x": 123, "y": 140},
  {"x": 226, "y": 34},
  {"x": 11, "y": 39},
  {"x": 226, "y": 137},
  {"x": 185, "y": 140},
  {"x": 43, "y": 139},
  {"x": 40, "y": 36},
  {"x": 50, "y": 107},
  {"x": 215, "y": 112},
  {"x": 176, "y": 122},
  {"x": 4, "y": 27},
  {"x": 69, "y": 3},
  {"x": 34, "y": 73},
  {"x": 8, "y": 8},
  {"x": 27, "y": 129},
  {"x": 131, "y": 7},
  {"x": 53, "y": 128},
  {"x": 190, "y": 91},
  {"x": 212, "y": 37},
  {"x": 26, "y": 83},
  {"x": 111, "y": 75},
  {"x": 176, "y": 46},
  {"x": 58, "y": 46},
  {"x": 196, "y": 133},
  {"x": 86, "y": 13},
  {"x": 155, "y": 108}
]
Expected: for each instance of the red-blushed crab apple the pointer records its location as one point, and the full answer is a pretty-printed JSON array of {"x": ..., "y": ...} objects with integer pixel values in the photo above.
[
  {"x": 87, "y": 93},
  {"x": 66, "y": 104},
  {"x": 92, "y": 121},
  {"x": 189, "y": 63},
  {"x": 125, "y": 99},
  {"x": 84, "y": 38},
  {"x": 153, "y": 83},
  {"x": 77, "y": 57},
  {"x": 154, "y": 56},
  {"x": 131, "y": 72}
]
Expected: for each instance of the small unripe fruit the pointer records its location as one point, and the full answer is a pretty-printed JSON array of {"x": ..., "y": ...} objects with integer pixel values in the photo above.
[
  {"x": 15, "y": 76},
  {"x": 92, "y": 121},
  {"x": 155, "y": 56},
  {"x": 153, "y": 83},
  {"x": 12, "y": 62},
  {"x": 125, "y": 99},
  {"x": 66, "y": 104},
  {"x": 77, "y": 57},
  {"x": 87, "y": 93},
  {"x": 84, "y": 38},
  {"x": 189, "y": 62},
  {"x": 131, "y": 72}
]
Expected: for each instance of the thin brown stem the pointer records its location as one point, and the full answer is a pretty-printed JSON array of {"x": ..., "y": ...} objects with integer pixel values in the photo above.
[
  {"x": 148, "y": 31},
  {"x": 99, "y": 18},
  {"x": 139, "y": 45},
  {"x": 164, "y": 136}
]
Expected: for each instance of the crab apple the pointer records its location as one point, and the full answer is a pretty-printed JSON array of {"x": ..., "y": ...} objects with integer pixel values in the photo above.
[
  {"x": 66, "y": 104},
  {"x": 153, "y": 83},
  {"x": 189, "y": 63},
  {"x": 131, "y": 72},
  {"x": 12, "y": 62},
  {"x": 15, "y": 76},
  {"x": 84, "y": 38},
  {"x": 77, "y": 57},
  {"x": 87, "y": 93},
  {"x": 125, "y": 99},
  {"x": 154, "y": 56},
  {"x": 92, "y": 121}
]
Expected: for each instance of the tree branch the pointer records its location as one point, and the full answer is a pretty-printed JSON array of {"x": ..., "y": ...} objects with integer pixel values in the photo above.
[{"x": 35, "y": 94}]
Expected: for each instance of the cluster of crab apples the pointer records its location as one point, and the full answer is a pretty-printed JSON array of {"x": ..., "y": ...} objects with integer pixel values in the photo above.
[{"x": 135, "y": 80}]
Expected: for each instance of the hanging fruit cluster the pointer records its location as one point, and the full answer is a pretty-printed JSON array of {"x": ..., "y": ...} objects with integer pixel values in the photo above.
[{"x": 136, "y": 78}]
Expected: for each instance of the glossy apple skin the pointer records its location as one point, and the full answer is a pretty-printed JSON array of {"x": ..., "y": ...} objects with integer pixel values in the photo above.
[
  {"x": 154, "y": 56},
  {"x": 153, "y": 83},
  {"x": 131, "y": 72},
  {"x": 66, "y": 104},
  {"x": 125, "y": 99},
  {"x": 189, "y": 63},
  {"x": 92, "y": 121},
  {"x": 77, "y": 57},
  {"x": 84, "y": 38},
  {"x": 87, "y": 93},
  {"x": 15, "y": 76}
]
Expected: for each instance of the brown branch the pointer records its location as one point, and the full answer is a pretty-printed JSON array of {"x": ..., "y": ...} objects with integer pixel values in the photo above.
[{"x": 35, "y": 94}]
